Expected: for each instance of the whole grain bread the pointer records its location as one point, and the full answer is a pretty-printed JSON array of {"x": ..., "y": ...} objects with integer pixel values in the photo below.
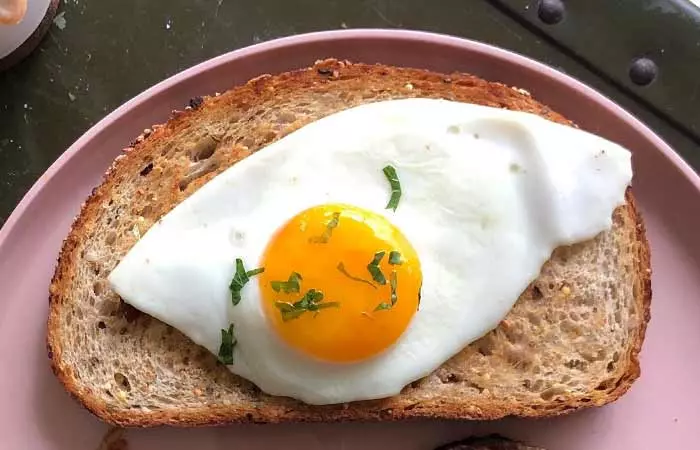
[{"x": 571, "y": 341}]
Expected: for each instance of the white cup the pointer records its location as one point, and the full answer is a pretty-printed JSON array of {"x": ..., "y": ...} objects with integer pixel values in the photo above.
[{"x": 12, "y": 11}]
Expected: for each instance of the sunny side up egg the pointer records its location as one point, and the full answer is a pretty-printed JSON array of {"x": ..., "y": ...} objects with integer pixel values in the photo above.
[{"x": 361, "y": 252}]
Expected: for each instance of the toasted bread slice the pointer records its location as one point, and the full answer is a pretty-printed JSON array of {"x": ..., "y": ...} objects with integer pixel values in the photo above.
[{"x": 571, "y": 340}]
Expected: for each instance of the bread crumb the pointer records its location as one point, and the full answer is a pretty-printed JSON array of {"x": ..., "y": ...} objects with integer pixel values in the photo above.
[
  {"x": 121, "y": 396},
  {"x": 566, "y": 291},
  {"x": 521, "y": 91},
  {"x": 409, "y": 86},
  {"x": 91, "y": 256},
  {"x": 197, "y": 392},
  {"x": 259, "y": 78}
]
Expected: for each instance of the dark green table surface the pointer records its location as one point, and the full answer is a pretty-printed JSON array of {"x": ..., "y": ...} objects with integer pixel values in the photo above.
[{"x": 108, "y": 51}]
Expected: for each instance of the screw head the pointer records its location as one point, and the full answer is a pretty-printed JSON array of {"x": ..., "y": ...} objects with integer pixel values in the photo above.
[
  {"x": 643, "y": 71},
  {"x": 550, "y": 11}
]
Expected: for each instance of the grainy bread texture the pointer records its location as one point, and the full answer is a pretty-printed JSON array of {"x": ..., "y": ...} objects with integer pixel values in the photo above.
[
  {"x": 571, "y": 340},
  {"x": 493, "y": 442}
]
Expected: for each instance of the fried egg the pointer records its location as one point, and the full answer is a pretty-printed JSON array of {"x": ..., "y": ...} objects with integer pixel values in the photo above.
[{"x": 362, "y": 251}]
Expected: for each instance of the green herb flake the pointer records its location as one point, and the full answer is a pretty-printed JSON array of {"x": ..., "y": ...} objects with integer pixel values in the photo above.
[
  {"x": 325, "y": 237},
  {"x": 377, "y": 274},
  {"x": 393, "y": 283},
  {"x": 341, "y": 268},
  {"x": 377, "y": 258},
  {"x": 390, "y": 174},
  {"x": 395, "y": 258},
  {"x": 240, "y": 278},
  {"x": 288, "y": 311},
  {"x": 320, "y": 306},
  {"x": 311, "y": 302},
  {"x": 374, "y": 270},
  {"x": 383, "y": 306},
  {"x": 228, "y": 341},
  {"x": 291, "y": 286}
]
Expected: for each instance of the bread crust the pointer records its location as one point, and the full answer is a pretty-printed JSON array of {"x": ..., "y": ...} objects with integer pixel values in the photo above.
[{"x": 386, "y": 81}]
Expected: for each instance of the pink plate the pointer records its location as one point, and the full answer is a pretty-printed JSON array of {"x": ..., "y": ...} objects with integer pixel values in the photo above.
[{"x": 662, "y": 410}]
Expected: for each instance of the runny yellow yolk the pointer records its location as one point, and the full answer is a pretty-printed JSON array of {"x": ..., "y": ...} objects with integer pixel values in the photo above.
[{"x": 330, "y": 247}]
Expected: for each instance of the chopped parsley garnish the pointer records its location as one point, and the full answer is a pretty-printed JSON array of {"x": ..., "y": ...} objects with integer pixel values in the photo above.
[
  {"x": 374, "y": 270},
  {"x": 393, "y": 298},
  {"x": 228, "y": 341},
  {"x": 252, "y": 273},
  {"x": 390, "y": 174},
  {"x": 333, "y": 223},
  {"x": 240, "y": 278},
  {"x": 311, "y": 302},
  {"x": 291, "y": 286},
  {"x": 341, "y": 268},
  {"x": 395, "y": 258}
]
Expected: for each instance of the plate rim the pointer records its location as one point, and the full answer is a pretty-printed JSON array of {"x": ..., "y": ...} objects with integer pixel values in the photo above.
[{"x": 507, "y": 56}]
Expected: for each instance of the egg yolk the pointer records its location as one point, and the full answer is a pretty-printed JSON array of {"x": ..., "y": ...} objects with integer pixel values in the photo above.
[{"x": 341, "y": 283}]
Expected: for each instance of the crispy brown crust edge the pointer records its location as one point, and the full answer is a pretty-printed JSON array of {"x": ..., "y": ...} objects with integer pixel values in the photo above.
[{"x": 388, "y": 410}]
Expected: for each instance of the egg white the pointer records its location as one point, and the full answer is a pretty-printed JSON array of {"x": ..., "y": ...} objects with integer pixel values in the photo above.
[{"x": 487, "y": 195}]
